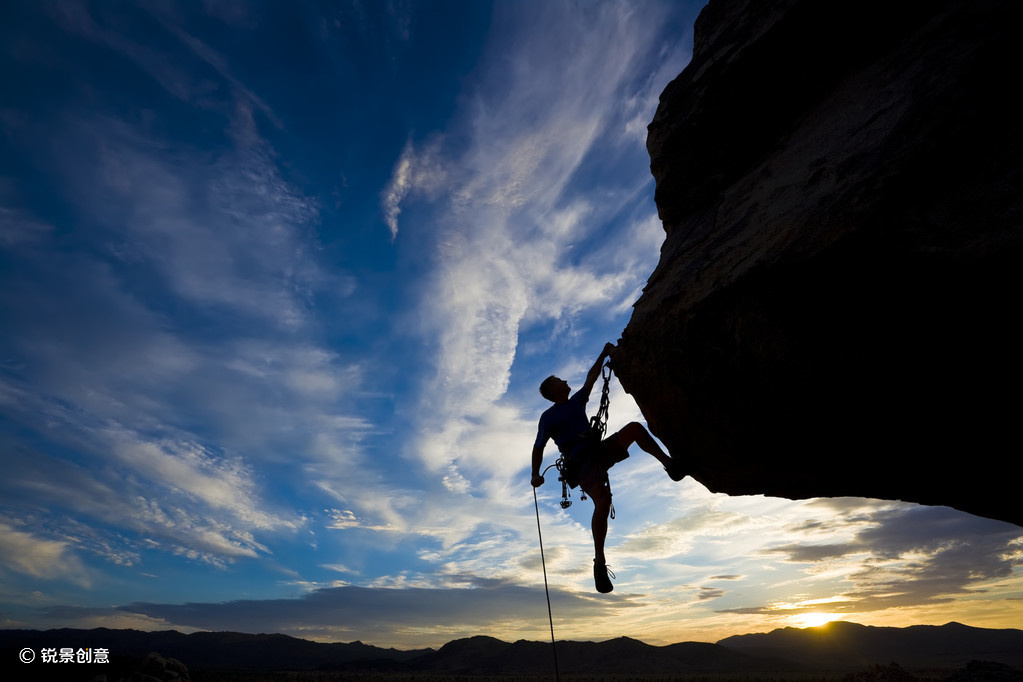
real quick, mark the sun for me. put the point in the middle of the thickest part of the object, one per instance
(812, 620)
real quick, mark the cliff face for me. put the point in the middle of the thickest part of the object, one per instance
(835, 311)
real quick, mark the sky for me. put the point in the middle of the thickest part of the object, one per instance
(279, 284)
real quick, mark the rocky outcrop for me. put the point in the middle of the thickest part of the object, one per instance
(158, 668)
(835, 308)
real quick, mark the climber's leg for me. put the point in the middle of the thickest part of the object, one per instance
(600, 492)
(634, 432)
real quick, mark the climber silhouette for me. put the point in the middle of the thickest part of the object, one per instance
(586, 460)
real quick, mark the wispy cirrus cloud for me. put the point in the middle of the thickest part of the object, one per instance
(421, 171)
(19, 227)
(39, 557)
(179, 505)
(398, 188)
(180, 78)
(181, 473)
(502, 186)
(229, 233)
(173, 354)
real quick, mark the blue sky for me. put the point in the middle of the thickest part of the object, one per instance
(279, 282)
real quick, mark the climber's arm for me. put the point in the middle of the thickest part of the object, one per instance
(537, 479)
(595, 371)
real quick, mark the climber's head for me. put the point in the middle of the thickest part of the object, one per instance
(555, 389)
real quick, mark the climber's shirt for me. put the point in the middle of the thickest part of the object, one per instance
(565, 422)
(586, 458)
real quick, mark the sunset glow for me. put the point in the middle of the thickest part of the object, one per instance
(812, 620)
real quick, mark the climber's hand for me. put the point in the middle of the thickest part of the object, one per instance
(537, 480)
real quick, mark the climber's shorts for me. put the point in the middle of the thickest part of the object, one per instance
(588, 465)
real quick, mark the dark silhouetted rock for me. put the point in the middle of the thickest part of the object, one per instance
(986, 671)
(835, 308)
(162, 669)
(892, 672)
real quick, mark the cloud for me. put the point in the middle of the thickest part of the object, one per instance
(709, 593)
(38, 557)
(181, 75)
(801, 553)
(89, 617)
(222, 484)
(170, 366)
(672, 538)
(17, 227)
(421, 170)
(103, 379)
(515, 246)
(906, 556)
(120, 514)
(228, 235)
(221, 225)
(343, 519)
(508, 218)
(398, 189)
(179, 422)
(409, 616)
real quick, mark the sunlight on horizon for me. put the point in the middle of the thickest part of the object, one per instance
(813, 620)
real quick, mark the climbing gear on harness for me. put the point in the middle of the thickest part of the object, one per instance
(598, 423)
(560, 464)
(565, 502)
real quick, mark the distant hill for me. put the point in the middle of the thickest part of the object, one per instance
(842, 645)
(621, 656)
(210, 650)
(835, 647)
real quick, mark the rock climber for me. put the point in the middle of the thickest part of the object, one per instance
(587, 460)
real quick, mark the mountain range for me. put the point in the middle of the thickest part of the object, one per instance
(837, 646)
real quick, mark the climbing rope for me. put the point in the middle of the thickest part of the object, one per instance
(598, 422)
(546, 590)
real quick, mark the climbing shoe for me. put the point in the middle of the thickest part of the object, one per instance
(675, 471)
(602, 577)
